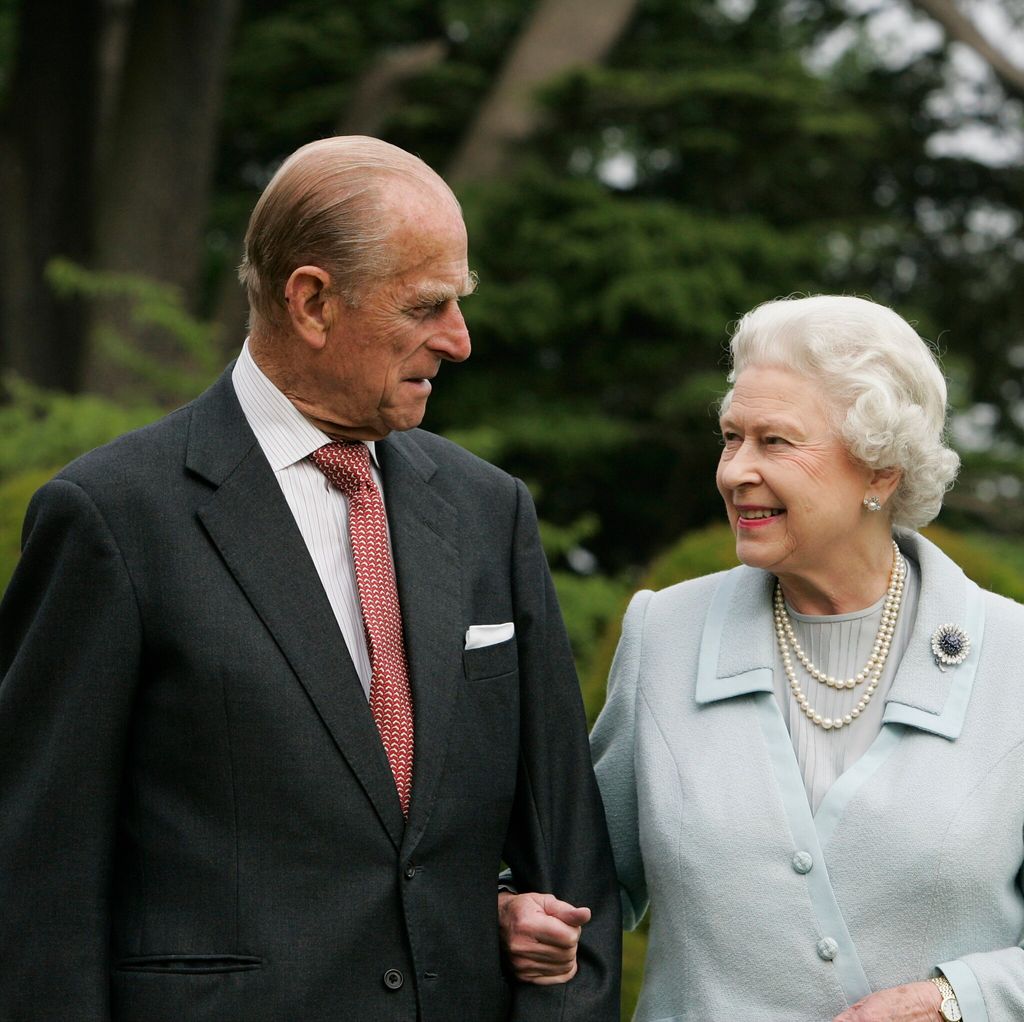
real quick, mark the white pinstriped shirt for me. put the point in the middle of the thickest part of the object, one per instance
(320, 510)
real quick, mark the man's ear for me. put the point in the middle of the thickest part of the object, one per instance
(309, 304)
(884, 481)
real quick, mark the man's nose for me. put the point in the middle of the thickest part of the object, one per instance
(451, 341)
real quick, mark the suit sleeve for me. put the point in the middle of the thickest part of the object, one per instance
(69, 650)
(557, 840)
(613, 743)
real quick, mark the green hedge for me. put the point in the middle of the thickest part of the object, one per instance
(15, 493)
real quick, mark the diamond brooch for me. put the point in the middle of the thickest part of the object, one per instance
(950, 646)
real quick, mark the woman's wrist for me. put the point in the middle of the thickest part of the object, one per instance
(949, 1009)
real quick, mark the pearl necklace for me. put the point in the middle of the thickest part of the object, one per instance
(872, 670)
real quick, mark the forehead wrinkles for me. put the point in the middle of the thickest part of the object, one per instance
(758, 414)
(763, 398)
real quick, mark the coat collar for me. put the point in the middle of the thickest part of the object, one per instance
(737, 654)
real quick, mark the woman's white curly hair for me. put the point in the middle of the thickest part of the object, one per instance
(882, 382)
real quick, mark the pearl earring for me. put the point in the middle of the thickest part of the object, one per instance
(872, 503)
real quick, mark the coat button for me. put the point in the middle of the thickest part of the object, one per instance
(827, 949)
(802, 862)
(410, 872)
(393, 979)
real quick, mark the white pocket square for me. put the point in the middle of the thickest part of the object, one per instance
(488, 635)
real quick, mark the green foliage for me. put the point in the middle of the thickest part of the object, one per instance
(151, 304)
(588, 602)
(42, 429)
(634, 948)
(995, 564)
(15, 493)
(701, 552)
(603, 309)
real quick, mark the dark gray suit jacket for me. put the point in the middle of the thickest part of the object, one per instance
(197, 817)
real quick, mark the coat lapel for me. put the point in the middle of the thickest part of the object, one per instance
(923, 695)
(736, 650)
(424, 536)
(249, 521)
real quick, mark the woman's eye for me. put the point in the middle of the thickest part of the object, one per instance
(773, 440)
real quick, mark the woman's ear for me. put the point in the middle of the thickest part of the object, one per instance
(306, 294)
(884, 482)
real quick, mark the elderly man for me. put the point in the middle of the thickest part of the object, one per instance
(284, 680)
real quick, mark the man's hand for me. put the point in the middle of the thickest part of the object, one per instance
(913, 1002)
(539, 934)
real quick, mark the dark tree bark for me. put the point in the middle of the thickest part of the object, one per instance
(157, 172)
(47, 153)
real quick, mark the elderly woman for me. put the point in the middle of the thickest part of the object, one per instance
(813, 764)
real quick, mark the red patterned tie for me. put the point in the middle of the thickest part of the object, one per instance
(347, 466)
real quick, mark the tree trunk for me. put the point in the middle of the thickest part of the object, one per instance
(156, 178)
(377, 93)
(47, 148)
(960, 28)
(559, 35)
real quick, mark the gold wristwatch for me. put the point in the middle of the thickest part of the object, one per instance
(949, 1009)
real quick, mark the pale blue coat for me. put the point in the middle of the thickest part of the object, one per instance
(765, 913)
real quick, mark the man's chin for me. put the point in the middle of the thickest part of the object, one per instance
(398, 422)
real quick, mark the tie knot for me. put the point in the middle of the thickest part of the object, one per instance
(346, 465)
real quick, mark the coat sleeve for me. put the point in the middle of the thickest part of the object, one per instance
(69, 650)
(557, 840)
(989, 986)
(613, 743)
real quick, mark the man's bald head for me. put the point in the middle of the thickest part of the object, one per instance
(333, 203)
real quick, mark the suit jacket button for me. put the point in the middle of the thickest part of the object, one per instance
(393, 979)
(410, 872)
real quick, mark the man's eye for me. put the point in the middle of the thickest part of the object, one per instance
(429, 310)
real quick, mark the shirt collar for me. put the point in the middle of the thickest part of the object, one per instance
(283, 432)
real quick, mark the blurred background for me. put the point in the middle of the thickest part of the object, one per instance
(635, 175)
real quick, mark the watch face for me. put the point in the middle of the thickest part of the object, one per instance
(950, 1010)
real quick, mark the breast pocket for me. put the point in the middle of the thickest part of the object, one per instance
(484, 750)
(494, 661)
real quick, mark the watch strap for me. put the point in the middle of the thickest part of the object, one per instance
(949, 1009)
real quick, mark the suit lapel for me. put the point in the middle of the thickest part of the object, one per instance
(251, 525)
(424, 537)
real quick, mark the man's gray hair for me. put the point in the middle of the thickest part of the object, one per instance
(883, 385)
(327, 206)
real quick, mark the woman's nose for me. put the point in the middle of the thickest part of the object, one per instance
(739, 467)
